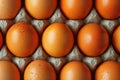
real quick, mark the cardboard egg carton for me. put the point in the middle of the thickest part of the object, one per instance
(74, 55)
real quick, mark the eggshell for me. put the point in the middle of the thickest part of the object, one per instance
(93, 39)
(75, 71)
(109, 70)
(108, 9)
(9, 8)
(116, 38)
(75, 9)
(39, 70)
(22, 39)
(8, 71)
(57, 40)
(41, 9)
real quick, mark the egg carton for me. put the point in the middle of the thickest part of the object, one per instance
(74, 55)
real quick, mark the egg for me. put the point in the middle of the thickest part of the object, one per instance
(1, 39)
(108, 9)
(41, 9)
(116, 38)
(9, 71)
(75, 9)
(39, 70)
(9, 8)
(109, 70)
(57, 40)
(93, 39)
(22, 39)
(75, 71)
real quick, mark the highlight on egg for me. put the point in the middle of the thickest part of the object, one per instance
(40, 9)
(108, 70)
(75, 71)
(57, 40)
(22, 39)
(93, 39)
(76, 9)
(39, 70)
(9, 71)
(108, 9)
(9, 8)
(116, 39)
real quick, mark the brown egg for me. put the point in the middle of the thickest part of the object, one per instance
(109, 70)
(75, 71)
(22, 39)
(1, 40)
(39, 70)
(76, 9)
(116, 38)
(93, 39)
(108, 9)
(9, 8)
(41, 9)
(57, 40)
(8, 71)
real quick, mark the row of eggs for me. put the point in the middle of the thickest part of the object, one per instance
(72, 9)
(43, 70)
(58, 40)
